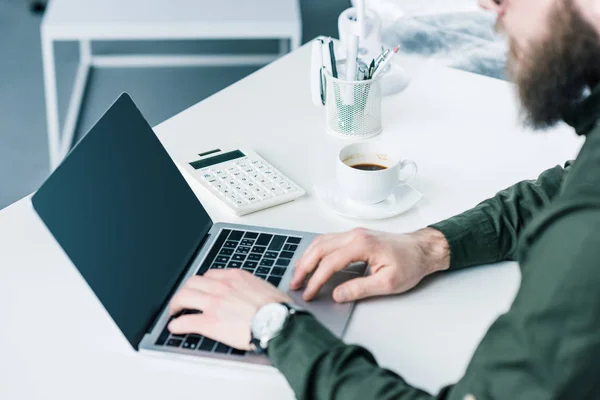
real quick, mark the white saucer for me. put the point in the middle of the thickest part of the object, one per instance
(401, 200)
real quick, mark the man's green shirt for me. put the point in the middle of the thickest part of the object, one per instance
(547, 346)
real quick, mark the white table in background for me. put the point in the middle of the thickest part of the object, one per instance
(56, 340)
(84, 21)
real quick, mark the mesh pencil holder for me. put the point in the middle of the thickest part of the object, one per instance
(352, 108)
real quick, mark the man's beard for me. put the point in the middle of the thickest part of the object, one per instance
(555, 71)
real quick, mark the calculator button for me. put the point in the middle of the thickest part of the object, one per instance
(255, 162)
(244, 179)
(265, 195)
(275, 191)
(208, 176)
(239, 203)
(253, 199)
(220, 172)
(268, 173)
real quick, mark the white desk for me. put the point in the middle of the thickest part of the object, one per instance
(56, 340)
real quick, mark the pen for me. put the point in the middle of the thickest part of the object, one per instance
(351, 57)
(381, 67)
(371, 69)
(380, 57)
(317, 72)
(333, 62)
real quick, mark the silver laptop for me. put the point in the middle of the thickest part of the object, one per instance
(131, 225)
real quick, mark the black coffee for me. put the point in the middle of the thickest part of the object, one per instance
(369, 167)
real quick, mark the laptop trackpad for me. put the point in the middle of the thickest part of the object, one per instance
(331, 314)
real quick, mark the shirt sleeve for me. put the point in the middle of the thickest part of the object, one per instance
(546, 346)
(488, 232)
(318, 365)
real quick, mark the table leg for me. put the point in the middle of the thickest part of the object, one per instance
(283, 46)
(77, 95)
(51, 100)
(295, 41)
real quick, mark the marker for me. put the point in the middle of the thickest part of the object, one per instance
(381, 67)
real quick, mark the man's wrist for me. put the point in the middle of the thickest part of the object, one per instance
(268, 322)
(435, 249)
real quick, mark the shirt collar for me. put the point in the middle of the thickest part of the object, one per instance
(584, 115)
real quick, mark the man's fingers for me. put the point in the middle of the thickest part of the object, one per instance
(213, 281)
(330, 264)
(319, 248)
(360, 288)
(190, 323)
(190, 299)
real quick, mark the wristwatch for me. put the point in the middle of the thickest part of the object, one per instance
(268, 322)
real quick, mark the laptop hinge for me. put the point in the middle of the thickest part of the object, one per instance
(172, 292)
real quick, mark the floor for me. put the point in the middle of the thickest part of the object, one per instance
(160, 93)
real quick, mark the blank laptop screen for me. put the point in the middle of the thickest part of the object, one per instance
(125, 216)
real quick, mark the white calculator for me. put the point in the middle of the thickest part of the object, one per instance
(242, 180)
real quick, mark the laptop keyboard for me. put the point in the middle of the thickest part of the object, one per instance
(262, 254)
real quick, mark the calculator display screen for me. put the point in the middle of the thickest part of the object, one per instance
(207, 162)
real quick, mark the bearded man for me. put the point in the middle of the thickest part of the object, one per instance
(547, 346)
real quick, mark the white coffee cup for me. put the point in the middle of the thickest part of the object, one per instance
(372, 186)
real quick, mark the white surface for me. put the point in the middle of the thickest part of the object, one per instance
(57, 341)
(84, 21)
(402, 199)
(181, 19)
(244, 185)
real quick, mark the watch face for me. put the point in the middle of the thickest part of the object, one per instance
(269, 320)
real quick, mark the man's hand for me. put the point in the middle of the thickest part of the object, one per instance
(397, 262)
(228, 300)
